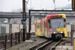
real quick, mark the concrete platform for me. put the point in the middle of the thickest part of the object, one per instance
(68, 44)
(64, 48)
(28, 44)
(67, 39)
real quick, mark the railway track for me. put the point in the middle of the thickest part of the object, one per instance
(50, 45)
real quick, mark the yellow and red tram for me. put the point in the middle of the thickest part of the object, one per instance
(52, 26)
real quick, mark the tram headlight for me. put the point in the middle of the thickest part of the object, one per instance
(54, 32)
(61, 32)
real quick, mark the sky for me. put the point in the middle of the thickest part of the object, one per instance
(16, 5)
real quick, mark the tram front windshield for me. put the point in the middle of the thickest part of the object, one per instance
(56, 23)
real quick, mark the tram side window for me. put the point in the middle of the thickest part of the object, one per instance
(49, 23)
(41, 26)
(45, 24)
(35, 27)
(38, 25)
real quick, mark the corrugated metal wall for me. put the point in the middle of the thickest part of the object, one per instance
(15, 28)
(18, 27)
(21, 26)
(3, 29)
(32, 28)
(7, 28)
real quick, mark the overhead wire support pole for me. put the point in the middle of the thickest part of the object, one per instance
(24, 20)
(54, 4)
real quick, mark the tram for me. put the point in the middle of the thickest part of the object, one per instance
(52, 26)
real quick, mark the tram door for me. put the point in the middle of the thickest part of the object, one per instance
(42, 29)
(45, 24)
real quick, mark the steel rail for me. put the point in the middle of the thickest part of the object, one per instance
(54, 45)
(49, 43)
(44, 45)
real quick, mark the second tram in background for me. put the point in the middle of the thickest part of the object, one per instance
(52, 26)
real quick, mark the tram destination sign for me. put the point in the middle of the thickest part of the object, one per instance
(56, 16)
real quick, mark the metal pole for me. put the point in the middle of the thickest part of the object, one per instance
(15, 38)
(72, 37)
(19, 37)
(10, 28)
(29, 20)
(24, 19)
(11, 40)
(54, 4)
(5, 41)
